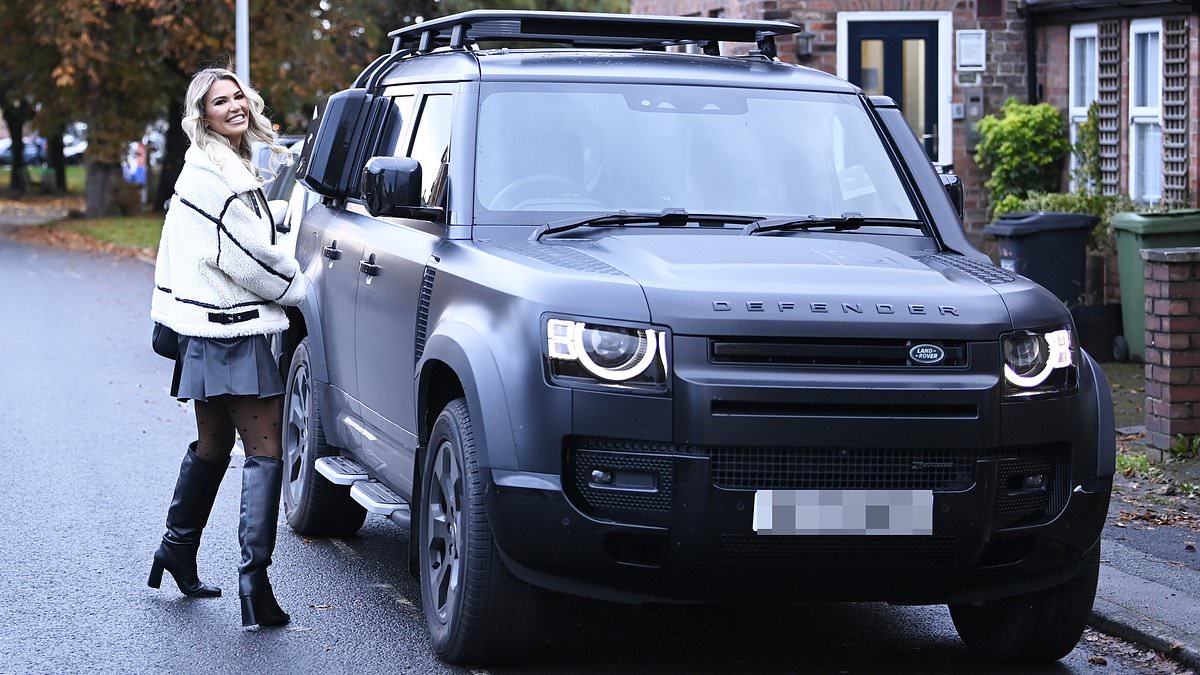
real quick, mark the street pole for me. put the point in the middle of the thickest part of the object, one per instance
(243, 40)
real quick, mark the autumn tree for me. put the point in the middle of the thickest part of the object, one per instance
(107, 69)
(121, 64)
(23, 67)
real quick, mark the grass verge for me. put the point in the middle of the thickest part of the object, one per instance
(76, 175)
(132, 235)
(1128, 382)
(131, 231)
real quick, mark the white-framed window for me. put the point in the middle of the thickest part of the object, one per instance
(1145, 110)
(1084, 80)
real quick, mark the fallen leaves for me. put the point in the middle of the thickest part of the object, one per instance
(63, 237)
(1128, 657)
(1149, 518)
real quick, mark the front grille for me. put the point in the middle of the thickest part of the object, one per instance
(754, 551)
(862, 410)
(749, 468)
(790, 468)
(840, 352)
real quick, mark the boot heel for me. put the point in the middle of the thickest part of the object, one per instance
(248, 618)
(262, 611)
(156, 571)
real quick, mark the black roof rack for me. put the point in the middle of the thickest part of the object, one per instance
(583, 29)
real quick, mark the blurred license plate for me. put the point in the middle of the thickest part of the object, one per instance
(849, 512)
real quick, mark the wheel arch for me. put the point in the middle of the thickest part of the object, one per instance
(457, 363)
(458, 360)
(304, 322)
(1101, 412)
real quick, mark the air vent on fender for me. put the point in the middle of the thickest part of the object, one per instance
(422, 326)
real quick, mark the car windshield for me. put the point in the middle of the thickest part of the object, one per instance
(546, 151)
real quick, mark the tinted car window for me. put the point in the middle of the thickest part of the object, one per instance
(431, 144)
(392, 135)
(599, 147)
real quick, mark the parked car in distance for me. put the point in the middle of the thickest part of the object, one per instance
(299, 198)
(272, 165)
(32, 151)
(607, 313)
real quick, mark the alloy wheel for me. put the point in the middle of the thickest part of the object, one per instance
(444, 533)
(295, 441)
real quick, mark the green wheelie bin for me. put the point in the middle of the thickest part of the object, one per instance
(1136, 231)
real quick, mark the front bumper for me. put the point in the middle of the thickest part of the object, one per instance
(699, 545)
(675, 522)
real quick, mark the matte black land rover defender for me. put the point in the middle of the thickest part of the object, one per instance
(615, 315)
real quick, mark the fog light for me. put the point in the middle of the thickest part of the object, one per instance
(601, 477)
(1035, 481)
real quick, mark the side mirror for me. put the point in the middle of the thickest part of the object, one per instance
(391, 186)
(332, 143)
(278, 209)
(954, 189)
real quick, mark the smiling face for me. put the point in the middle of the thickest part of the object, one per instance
(227, 111)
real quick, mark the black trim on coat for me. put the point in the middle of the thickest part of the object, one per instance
(201, 211)
(206, 305)
(221, 227)
(265, 266)
(227, 203)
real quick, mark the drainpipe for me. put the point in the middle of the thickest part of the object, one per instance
(1031, 77)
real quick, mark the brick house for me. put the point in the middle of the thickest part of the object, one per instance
(949, 62)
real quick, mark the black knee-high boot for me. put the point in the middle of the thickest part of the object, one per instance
(262, 478)
(188, 514)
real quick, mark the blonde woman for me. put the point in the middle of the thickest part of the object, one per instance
(220, 283)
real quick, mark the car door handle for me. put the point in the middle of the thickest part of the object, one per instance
(331, 251)
(368, 266)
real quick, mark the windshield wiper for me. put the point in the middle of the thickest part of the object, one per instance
(851, 220)
(664, 218)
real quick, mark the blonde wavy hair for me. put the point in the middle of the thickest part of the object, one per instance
(210, 141)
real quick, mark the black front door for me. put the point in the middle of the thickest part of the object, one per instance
(899, 59)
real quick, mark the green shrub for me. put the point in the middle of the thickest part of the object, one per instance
(1135, 465)
(1087, 201)
(1185, 447)
(1022, 149)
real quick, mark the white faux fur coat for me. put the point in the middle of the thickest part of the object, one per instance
(219, 272)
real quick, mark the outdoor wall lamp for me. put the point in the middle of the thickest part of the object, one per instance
(804, 45)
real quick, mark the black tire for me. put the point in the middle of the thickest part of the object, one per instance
(477, 611)
(1035, 627)
(313, 505)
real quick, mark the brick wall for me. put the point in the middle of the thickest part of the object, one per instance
(1172, 344)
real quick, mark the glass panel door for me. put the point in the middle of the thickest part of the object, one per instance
(899, 59)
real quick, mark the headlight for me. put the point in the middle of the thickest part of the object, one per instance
(604, 354)
(1038, 362)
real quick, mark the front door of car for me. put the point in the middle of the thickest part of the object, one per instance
(389, 292)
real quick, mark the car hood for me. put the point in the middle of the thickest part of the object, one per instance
(814, 286)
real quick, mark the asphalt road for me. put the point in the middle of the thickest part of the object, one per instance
(89, 447)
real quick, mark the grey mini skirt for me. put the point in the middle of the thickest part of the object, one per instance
(241, 366)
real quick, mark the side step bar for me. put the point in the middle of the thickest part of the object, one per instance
(374, 496)
(341, 470)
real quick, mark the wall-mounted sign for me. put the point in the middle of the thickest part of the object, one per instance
(970, 50)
